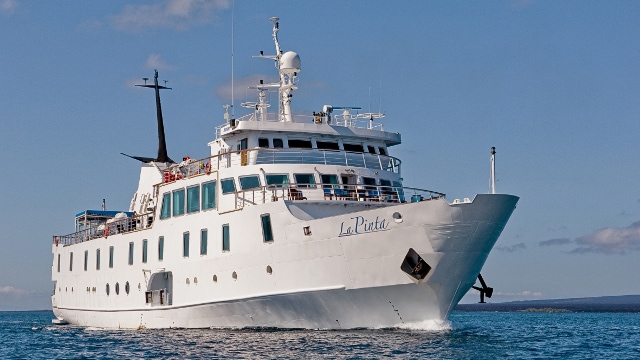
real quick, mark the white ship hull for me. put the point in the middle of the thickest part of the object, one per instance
(324, 280)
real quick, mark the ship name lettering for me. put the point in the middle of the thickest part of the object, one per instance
(360, 225)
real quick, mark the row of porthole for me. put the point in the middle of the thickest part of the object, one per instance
(234, 275)
(127, 288)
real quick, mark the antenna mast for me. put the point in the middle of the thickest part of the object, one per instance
(162, 144)
(232, 73)
(492, 176)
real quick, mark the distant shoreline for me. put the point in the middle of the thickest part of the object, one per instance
(615, 304)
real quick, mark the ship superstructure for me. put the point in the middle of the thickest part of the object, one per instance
(293, 221)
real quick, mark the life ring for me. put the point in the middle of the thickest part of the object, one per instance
(105, 232)
(55, 239)
(207, 168)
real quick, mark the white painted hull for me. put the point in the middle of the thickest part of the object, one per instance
(325, 280)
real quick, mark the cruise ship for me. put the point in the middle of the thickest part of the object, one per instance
(291, 221)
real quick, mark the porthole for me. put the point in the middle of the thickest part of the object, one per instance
(269, 270)
(188, 282)
(195, 280)
(66, 289)
(107, 289)
(126, 288)
(215, 278)
(72, 289)
(397, 217)
(117, 288)
(307, 230)
(234, 276)
(138, 286)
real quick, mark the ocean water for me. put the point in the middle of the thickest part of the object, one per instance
(467, 335)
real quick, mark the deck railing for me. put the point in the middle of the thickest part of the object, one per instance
(115, 226)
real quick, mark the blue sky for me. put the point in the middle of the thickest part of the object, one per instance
(553, 85)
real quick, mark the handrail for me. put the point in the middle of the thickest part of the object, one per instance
(259, 156)
(119, 226)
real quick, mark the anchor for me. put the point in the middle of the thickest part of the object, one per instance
(484, 290)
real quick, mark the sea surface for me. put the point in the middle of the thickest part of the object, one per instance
(467, 335)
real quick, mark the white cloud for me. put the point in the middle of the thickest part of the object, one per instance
(10, 290)
(7, 7)
(610, 241)
(553, 242)
(512, 248)
(175, 14)
(155, 61)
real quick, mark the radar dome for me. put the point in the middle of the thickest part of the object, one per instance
(290, 62)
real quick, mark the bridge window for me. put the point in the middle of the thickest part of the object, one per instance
(203, 242)
(305, 180)
(372, 149)
(327, 145)
(371, 182)
(193, 199)
(178, 202)
(166, 206)
(382, 151)
(228, 186)
(353, 147)
(262, 142)
(185, 244)
(303, 144)
(267, 233)
(329, 180)
(225, 238)
(279, 180)
(278, 143)
(249, 182)
(209, 195)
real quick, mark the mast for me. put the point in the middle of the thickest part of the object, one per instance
(492, 176)
(162, 144)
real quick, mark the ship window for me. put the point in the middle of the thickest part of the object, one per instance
(303, 144)
(185, 244)
(384, 182)
(277, 143)
(228, 186)
(328, 145)
(305, 180)
(353, 147)
(262, 142)
(225, 237)
(279, 180)
(131, 253)
(110, 256)
(127, 287)
(86, 259)
(372, 149)
(329, 181)
(382, 151)
(107, 289)
(371, 182)
(203, 242)
(249, 182)
(193, 199)
(97, 259)
(178, 202)
(209, 195)
(58, 262)
(117, 288)
(166, 206)
(71, 261)
(161, 248)
(267, 233)
(144, 250)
